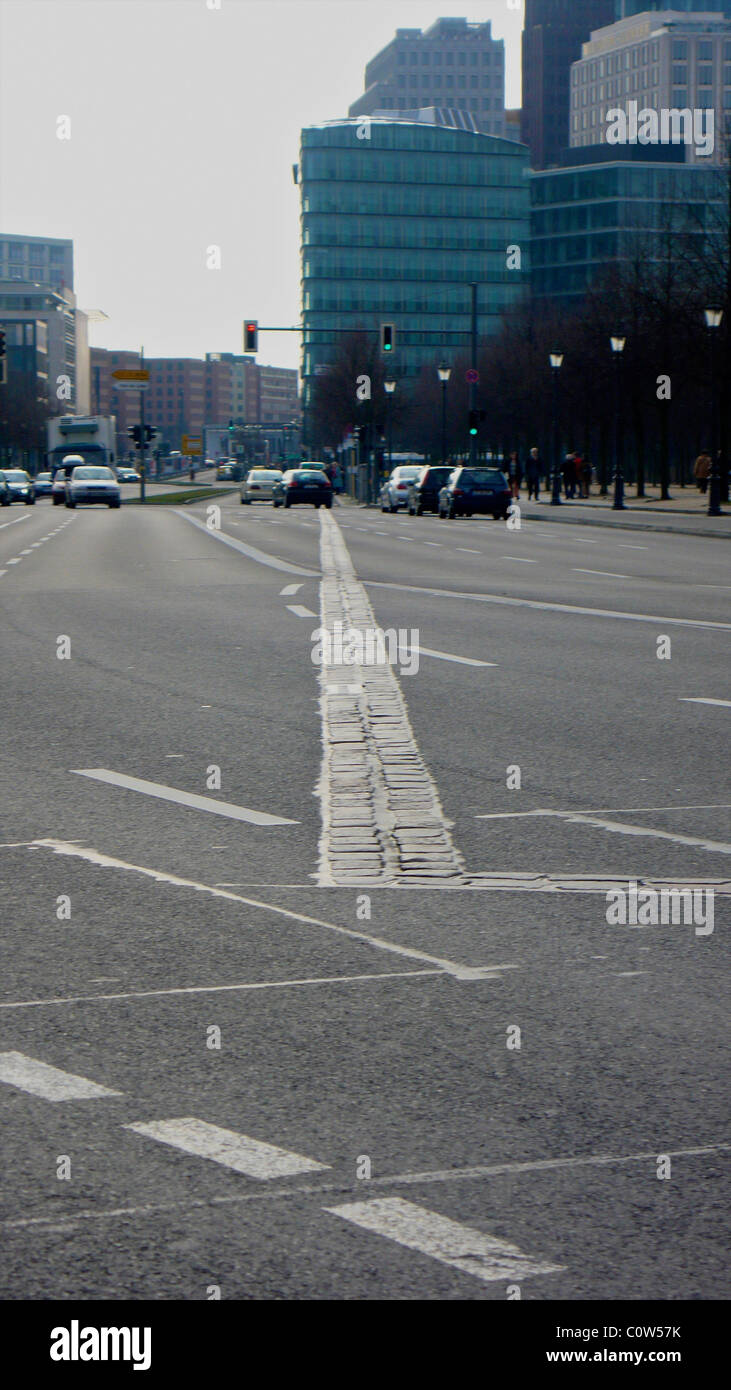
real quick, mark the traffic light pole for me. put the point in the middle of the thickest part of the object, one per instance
(142, 433)
(473, 363)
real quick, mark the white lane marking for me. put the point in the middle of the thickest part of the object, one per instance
(181, 798)
(218, 989)
(249, 550)
(174, 755)
(607, 810)
(603, 574)
(461, 1247)
(438, 544)
(290, 589)
(447, 656)
(39, 1079)
(300, 611)
(225, 1146)
(628, 974)
(2, 572)
(623, 828)
(106, 861)
(502, 601)
(16, 561)
(14, 522)
(579, 540)
(278, 1194)
(466, 551)
(25, 552)
(622, 546)
(519, 559)
(701, 700)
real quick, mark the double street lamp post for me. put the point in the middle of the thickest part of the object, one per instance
(713, 323)
(556, 360)
(618, 345)
(444, 374)
(389, 387)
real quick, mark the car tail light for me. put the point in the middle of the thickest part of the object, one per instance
(401, 487)
(292, 483)
(327, 482)
(457, 492)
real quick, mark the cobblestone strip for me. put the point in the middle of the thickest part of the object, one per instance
(382, 822)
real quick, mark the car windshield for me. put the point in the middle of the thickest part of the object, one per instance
(482, 477)
(405, 475)
(42, 477)
(16, 475)
(92, 473)
(264, 477)
(436, 475)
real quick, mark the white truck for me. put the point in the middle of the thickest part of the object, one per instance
(94, 437)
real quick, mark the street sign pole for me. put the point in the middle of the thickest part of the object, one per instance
(473, 388)
(142, 432)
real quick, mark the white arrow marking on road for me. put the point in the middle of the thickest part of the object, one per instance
(39, 1079)
(199, 803)
(231, 1150)
(447, 656)
(300, 611)
(700, 700)
(290, 589)
(462, 1247)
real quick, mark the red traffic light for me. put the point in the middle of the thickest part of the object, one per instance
(251, 334)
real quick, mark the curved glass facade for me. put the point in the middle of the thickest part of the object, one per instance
(397, 226)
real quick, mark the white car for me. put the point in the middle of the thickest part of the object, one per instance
(395, 490)
(91, 482)
(258, 485)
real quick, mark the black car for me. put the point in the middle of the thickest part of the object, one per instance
(424, 490)
(5, 498)
(42, 484)
(20, 485)
(303, 485)
(475, 490)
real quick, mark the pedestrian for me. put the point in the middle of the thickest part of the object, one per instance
(533, 471)
(702, 470)
(586, 475)
(569, 475)
(514, 474)
(578, 475)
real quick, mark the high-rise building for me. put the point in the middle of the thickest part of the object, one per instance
(66, 339)
(454, 65)
(46, 261)
(553, 33)
(658, 61)
(397, 227)
(625, 8)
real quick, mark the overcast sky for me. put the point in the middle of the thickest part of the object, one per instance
(185, 123)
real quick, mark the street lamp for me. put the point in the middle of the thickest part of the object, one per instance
(556, 360)
(617, 350)
(713, 319)
(389, 387)
(444, 372)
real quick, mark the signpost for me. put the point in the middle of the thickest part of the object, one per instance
(192, 444)
(131, 379)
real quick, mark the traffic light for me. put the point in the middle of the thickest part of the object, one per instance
(476, 417)
(388, 337)
(251, 335)
(2, 342)
(3, 362)
(135, 433)
(149, 433)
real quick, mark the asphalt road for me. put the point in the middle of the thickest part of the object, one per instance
(354, 1116)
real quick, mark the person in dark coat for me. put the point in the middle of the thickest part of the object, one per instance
(533, 471)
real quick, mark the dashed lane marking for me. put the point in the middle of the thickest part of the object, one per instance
(603, 574)
(40, 1079)
(447, 656)
(300, 611)
(290, 589)
(623, 828)
(519, 559)
(181, 798)
(237, 1151)
(464, 550)
(474, 1252)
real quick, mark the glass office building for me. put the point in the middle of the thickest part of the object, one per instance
(398, 225)
(586, 219)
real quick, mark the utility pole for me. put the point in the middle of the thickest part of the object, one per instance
(142, 429)
(473, 364)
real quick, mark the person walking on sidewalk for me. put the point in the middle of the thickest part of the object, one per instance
(533, 470)
(702, 471)
(514, 474)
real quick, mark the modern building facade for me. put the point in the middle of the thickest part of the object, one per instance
(453, 65)
(626, 8)
(553, 33)
(396, 228)
(66, 339)
(46, 261)
(659, 61)
(606, 212)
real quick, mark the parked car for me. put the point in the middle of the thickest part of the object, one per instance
(91, 482)
(20, 485)
(423, 494)
(258, 486)
(61, 475)
(303, 485)
(471, 490)
(4, 492)
(395, 491)
(42, 484)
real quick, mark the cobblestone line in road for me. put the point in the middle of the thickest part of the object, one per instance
(382, 821)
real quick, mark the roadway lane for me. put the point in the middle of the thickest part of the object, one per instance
(358, 1032)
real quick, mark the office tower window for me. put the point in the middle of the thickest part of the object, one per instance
(704, 73)
(704, 51)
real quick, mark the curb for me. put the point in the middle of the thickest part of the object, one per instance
(600, 521)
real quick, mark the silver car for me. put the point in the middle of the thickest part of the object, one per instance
(395, 490)
(258, 485)
(90, 482)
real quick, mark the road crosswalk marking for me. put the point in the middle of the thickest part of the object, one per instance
(231, 1150)
(40, 1079)
(474, 1252)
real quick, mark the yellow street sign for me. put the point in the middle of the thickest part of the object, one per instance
(131, 374)
(192, 444)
